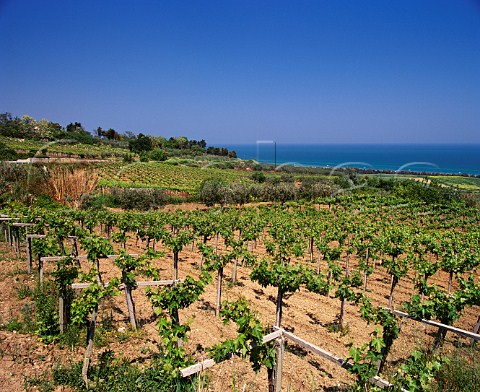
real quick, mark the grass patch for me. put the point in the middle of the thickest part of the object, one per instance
(112, 374)
(461, 372)
(24, 291)
(17, 271)
(14, 325)
(40, 383)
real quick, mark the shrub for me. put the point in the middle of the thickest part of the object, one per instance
(128, 158)
(313, 188)
(21, 183)
(158, 155)
(140, 144)
(140, 199)
(239, 193)
(214, 190)
(7, 154)
(45, 201)
(287, 178)
(258, 176)
(280, 192)
(100, 201)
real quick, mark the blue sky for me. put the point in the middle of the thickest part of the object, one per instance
(233, 71)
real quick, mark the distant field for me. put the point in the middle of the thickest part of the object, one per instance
(164, 175)
(467, 183)
(470, 183)
(71, 149)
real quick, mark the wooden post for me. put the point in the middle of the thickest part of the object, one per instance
(16, 233)
(61, 310)
(392, 288)
(175, 265)
(17, 240)
(9, 234)
(219, 291)
(40, 271)
(365, 272)
(439, 338)
(130, 306)
(29, 254)
(311, 249)
(88, 353)
(476, 329)
(278, 312)
(29, 238)
(279, 350)
(343, 304)
(235, 265)
(319, 261)
(73, 240)
(91, 331)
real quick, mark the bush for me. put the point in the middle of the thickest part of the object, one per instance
(287, 178)
(140, 199)
(258, 176)
(280, 192)
(158, 155)
(100, 201)
(140, 144)
(7, 154)
(128, 158)
(21, 183)
(313, 188)
(46, 201)
(83, 137)
(214, 190)
(239, 193)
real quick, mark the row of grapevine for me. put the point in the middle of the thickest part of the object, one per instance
(330, 249)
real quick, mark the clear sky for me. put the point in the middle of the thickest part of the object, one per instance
(233, 71)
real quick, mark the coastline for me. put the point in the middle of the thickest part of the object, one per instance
(419, 159)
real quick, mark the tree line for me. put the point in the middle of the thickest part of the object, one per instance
(26, 127)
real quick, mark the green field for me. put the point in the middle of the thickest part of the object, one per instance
(460, 182)
(37, 147)
(164, 175)
(468, 183)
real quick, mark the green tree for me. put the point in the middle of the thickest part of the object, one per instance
(140, 144)
(214, 190)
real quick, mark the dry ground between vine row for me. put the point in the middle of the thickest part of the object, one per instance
(306, 314)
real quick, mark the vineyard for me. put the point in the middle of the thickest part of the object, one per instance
(163, 175)
(363, 291)
(460, 182)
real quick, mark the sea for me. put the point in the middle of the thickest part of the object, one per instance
(431, 158)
